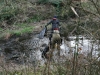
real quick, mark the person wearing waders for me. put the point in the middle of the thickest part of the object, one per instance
(55, 26)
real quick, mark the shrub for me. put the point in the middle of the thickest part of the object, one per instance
(8, 12)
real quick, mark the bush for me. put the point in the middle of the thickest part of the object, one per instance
(43, 1)
(8, 12)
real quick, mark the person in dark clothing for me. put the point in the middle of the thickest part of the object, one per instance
(54, 36)
(55, 25)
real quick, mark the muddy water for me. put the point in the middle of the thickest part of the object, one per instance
(29, 50)
(13, 49)
(23, 49)
(83, 46)
(36, 47)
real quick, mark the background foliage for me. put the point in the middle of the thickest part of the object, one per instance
(17, 15)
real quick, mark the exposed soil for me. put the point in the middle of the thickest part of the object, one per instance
(13, 48)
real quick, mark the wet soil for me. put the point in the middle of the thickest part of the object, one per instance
(15, 48)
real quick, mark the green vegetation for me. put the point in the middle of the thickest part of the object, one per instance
(19, 17)
(1, 29)
(50, 1)
(69, 67)
(18, 29)
(22, 31)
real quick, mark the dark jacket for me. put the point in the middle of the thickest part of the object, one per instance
(55, 24)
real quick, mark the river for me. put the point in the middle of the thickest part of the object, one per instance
(30, 50)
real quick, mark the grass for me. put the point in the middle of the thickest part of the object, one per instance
(1, 29)
(35, 18)
(69, 67)
(20, 29)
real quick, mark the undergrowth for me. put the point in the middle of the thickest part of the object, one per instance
(18, 29)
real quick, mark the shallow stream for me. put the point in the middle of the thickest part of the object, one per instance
(30, 50)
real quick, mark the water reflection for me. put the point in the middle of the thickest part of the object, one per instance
(82, 46)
